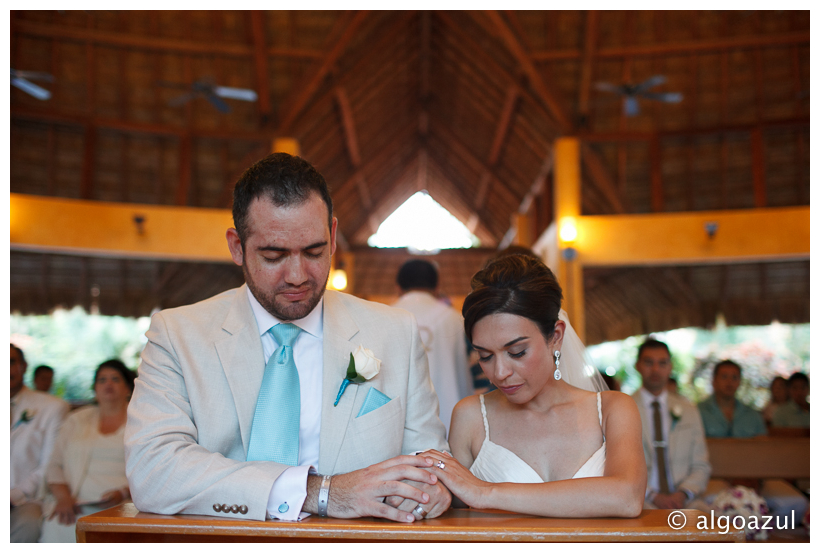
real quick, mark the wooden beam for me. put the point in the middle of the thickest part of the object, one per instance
(537, 83)
(655, 175)
(758, 167)
(590, 36)
(503, 127)
(148, 42)
(89, 147)
(305, 93)
(349, 127)
(640, 136)
(682, 47)
(184, 185)
(421, 177)
(742, 236)
(260, 58)
(74, 227)
(134, 126)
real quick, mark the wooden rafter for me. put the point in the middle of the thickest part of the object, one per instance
(517, 49)
(89, 148)
(349, 127)
(683, 47)
(303, 94)
(592, 162)
(145, 42)
(260, 58)
(590, 36)
(503, 127)
(123, 125)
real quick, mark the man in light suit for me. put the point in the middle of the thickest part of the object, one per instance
(194, 411)
(677, 460)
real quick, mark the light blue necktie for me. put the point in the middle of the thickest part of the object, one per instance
(275, 429)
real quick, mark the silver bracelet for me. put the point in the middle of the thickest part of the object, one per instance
(324, 495)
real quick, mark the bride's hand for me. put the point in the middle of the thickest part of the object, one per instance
(459, 480)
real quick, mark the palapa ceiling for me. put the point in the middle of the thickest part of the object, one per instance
(465, 105)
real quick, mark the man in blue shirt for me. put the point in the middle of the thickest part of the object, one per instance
(722, 414)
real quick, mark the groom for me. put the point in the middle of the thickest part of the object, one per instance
(208, 429)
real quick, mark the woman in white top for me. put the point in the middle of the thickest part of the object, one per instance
(86, 473)
(544, 443)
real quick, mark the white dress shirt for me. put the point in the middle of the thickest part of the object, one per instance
(653, 481)
(35, 422)
(289, 491)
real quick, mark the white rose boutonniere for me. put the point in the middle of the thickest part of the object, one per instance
(25, 417)
(677, 412)
(363, 366)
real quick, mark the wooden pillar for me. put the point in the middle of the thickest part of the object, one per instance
(567, 192)
(287, 145)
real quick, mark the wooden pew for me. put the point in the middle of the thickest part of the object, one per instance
(758, 458)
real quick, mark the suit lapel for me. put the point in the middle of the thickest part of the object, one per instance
(337, 331)
(240, 353)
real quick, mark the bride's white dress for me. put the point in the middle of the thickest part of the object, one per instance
(495, 463)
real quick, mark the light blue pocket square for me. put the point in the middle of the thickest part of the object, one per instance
(373, 401)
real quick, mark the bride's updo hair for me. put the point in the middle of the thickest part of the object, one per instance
(517, 284)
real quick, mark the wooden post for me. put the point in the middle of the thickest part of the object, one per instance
(567, 190)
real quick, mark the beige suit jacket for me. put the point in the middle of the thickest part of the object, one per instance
(686, 452)
(190, 417)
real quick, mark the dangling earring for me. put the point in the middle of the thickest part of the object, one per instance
(557, 374)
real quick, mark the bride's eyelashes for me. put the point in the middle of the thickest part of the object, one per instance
(518, 355)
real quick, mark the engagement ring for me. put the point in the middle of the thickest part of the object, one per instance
(440, 465)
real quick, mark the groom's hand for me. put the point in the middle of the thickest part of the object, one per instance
(440, 499)
(361, 493)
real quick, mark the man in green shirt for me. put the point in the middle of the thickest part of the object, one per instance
(722, 414)
(795, 412)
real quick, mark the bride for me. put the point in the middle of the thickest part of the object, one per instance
(549, 441)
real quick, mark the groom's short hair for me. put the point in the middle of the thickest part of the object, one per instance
(652, 343)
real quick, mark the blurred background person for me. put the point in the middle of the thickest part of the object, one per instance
(442, 332)
(87, 469)
(43, 377)
(795, 412)
(722, 414)
(672, 385)
(35, 421)
(779, 389)
(674, 443)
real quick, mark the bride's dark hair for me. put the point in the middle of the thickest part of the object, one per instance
(517, 284)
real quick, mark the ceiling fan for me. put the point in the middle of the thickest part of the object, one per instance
(20, 79)
(631, 92)
(210, 92)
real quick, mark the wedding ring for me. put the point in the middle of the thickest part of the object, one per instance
(440, 464)
(419, 511)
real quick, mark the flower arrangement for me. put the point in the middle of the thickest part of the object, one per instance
(744, 502)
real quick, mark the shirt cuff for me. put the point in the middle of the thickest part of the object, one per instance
(288, 494)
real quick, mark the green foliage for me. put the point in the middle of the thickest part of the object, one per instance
(763, 352)
(74, 343)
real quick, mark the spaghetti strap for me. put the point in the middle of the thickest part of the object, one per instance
(600, 415)
(484, 416)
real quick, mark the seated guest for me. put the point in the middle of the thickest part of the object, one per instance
(722, 414)
(674, 443)
(672, 385)
(43, 377)
(86, 473)
(548, 441)
(35, 421)
(779, 389)
(795, 412)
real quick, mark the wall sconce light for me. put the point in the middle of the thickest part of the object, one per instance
(711, 229)
(139, 221)
(338, 279)
(567, 233)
